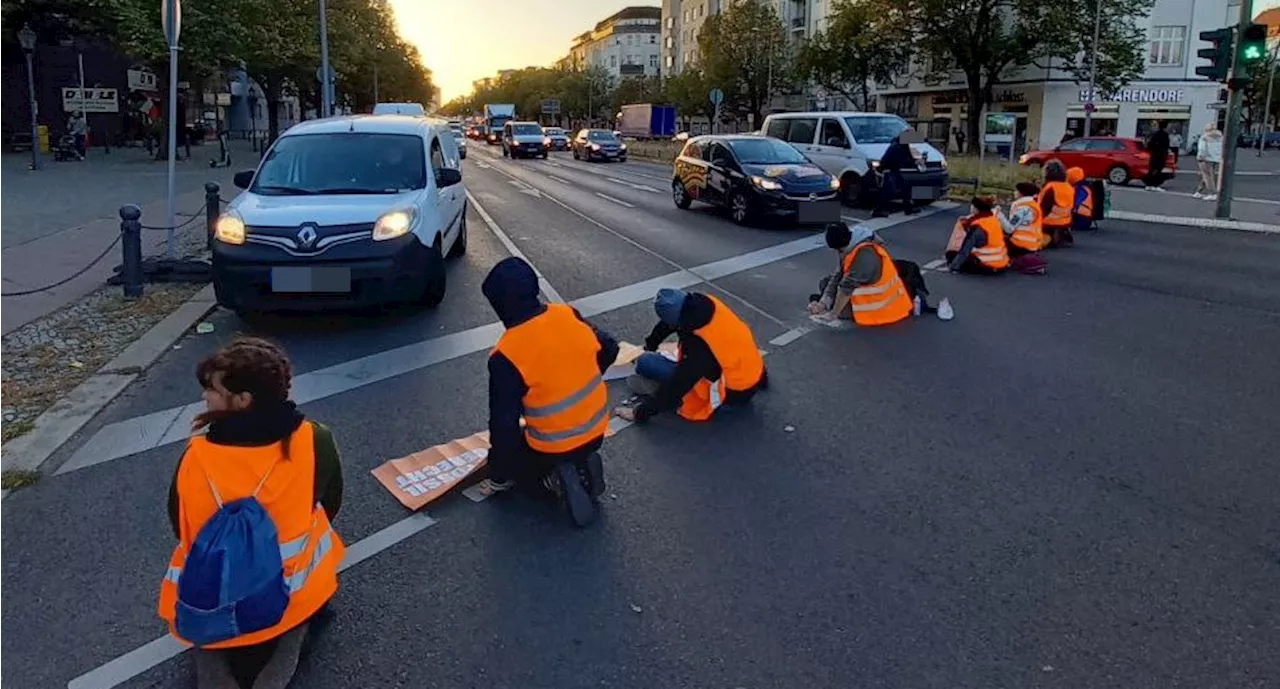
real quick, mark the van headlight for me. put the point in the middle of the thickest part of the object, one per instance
(875, 165)
(835, 183)
(229, 229)
(394, 224)
(766, 183)
(622, 147)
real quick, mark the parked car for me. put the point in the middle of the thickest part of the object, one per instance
(557, 139)
(1115, 159)
(523, 140)
(346, 211)
(1269, 140)
(751, 176)
(598, 144)
(461, 138)
(849, 145)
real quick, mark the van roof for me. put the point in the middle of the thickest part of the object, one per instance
(369, 124)
(836, 113)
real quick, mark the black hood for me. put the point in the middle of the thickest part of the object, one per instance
(512, 289)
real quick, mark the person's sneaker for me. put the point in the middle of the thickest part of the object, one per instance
(945, 312)
(582, 509)
(911, 211)
(879, 214)
(1211, 197)
(1197, 195)
(492, 487)
(1159, 189)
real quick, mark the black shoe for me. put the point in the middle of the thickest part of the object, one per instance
(581, 508)
(879, 214)
(912, 210)
(595, 476)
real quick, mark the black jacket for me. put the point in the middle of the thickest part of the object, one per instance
(512, 290)
(697, 361)
(897, 157)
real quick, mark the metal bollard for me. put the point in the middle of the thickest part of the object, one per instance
(131, 245)
(212, 206)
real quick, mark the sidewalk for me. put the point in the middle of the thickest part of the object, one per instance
(1183, 204)
(58, 219)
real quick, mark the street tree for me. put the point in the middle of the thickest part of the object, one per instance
(690, 92)
(859, 45)
(986, 39)
(745, 53)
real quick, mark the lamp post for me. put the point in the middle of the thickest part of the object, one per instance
(1093, 68)
(326, 77)
(27, 38)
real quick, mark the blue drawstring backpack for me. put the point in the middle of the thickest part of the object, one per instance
(233, 580)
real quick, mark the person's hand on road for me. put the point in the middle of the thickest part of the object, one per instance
(816, 308)
(625, 413)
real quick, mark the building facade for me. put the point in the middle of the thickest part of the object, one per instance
(625, 44)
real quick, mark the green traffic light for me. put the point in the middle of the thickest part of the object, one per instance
(1253, 52)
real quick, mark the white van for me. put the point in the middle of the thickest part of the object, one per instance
(411, 109)
(847, 145)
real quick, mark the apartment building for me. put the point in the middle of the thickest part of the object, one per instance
(682, 22)
(625, 44)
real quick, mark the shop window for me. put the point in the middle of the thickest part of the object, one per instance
(1167, 45)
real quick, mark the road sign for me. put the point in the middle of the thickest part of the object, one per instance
(717, 97)
(94, 100)
(171, 20)
(1090, 107)
(551, 106)
(333, 76)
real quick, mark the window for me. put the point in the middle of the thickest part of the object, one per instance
(671, 22)
(1167, 45)
(763, 151)
(1105, 145)
(777, 129)
(700, 10)
(1074, 145)
(613, 61)
(653, 39)
(631, 39)
(717, 152)
(802, 130)
(833, 134)
(653, 60)
(671, 41)
(365, 164)
(875, 129)
(671, 61)
(437, 157)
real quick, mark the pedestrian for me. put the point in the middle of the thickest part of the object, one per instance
(717, 361)
(1056, 200)
(1208, 160)
(983, 250)
(1175, 140)
(959, 134)
(893, 185)
(1024, 231)
(546, 369)
(251, 504)
(79, 130)
(1158, 152)
(866, 281)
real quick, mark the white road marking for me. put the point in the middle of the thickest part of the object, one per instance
(935, 264)
(790, 336)
(633, 185)
(557, 179)
(620, 202)
(547, 290)
(1244, 199)
(143, 658)
(483, 166)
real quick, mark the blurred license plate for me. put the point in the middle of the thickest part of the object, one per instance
(818, 211)
(923, 193)
(327, 279)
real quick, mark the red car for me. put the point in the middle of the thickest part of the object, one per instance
(1112, 158)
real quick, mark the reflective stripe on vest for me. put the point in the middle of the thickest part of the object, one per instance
(288, 550)
(1063, 199)
(581, 429)
(865, 301)
(1025, 215)
(730, 340)
(994, 255)
(895, 285)
(564, 404)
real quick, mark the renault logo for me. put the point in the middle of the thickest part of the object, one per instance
(307, 236)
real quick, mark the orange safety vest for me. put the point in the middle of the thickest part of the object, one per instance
(881, 303)
(741, 365)
(995, 254)
(566, 403)
(1064, 196)
(309, 547)
(1028, 231)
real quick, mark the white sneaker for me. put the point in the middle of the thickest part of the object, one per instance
(1198, 195)
(1211, 197)
(1159, 189)
(945, 312)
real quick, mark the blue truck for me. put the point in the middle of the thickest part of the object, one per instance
(647, 121)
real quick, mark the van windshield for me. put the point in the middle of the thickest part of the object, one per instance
(345, 163)
(875, 129)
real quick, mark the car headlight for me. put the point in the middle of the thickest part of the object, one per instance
(623, 147)
(944, 163)
(546, 141)
(595, 147)
(766, 183)
(394, 224)
(229, 229)
(875, 165)
(835, 183)
(1022, 160)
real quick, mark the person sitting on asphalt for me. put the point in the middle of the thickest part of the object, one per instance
(1024, 232)
(547, 370)
(867, 281)
(1082, 203)
(897, 157)
(1057, 199)
(983, 250)
(717, 363)
(251, 504)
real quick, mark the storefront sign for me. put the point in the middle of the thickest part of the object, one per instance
(962, 97)
(1128, 95)
(141, 80)
(94, 100)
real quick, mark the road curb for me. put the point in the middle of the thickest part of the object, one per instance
(1207, 223)
(53, 428)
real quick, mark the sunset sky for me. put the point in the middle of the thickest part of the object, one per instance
(464, 41)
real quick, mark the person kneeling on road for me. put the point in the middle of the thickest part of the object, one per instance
(868, 281)
(717, 363)
(547, 369)
(251, 504)
(983, 250)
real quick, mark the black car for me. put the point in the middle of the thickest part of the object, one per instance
(752, 176)
(598, 144)
(557, 139)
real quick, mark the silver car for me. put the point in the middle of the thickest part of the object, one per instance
(461, 136)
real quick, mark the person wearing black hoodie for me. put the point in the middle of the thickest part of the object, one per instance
(893, 185)
(663, 385)
(512, 289)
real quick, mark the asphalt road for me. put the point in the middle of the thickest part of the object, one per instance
(1072, 484)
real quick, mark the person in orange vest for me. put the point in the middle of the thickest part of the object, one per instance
(1024, 231)
(1057, 200)
(1082, 204)
(869, 283)
(548, 406)
(983, 250)
(259, 454)
(718, 362)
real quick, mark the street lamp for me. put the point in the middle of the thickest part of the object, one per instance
(1089, 105)
(27, 38)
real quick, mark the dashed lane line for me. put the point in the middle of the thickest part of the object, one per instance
(633, 185)
(620, 202)
(558, 179)
(547, 290)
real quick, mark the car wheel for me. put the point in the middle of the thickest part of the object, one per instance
(460, 244)
(851, 189)
(739, 208)
(433, 293)
(680, 195)
(1118, 175)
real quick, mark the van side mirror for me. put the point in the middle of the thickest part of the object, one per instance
(447, 177)
(243, 179)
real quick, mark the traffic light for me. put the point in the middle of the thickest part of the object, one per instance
(1253, 46)
(1219, 56)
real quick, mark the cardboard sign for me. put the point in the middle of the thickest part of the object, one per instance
(423, 476)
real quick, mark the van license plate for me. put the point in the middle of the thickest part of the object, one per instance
(923, 193)
(327, 279)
